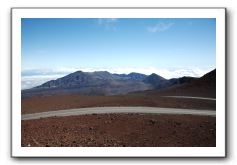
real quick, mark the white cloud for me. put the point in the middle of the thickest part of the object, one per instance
(166, 73)
(33, 81)
(160, 27)
(107, 20)
(108, 23)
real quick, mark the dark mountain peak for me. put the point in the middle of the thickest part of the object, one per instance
(181, 80)
(77, 78)
(209, 78)
(101, 72)
(101, 75)
(156, 81)
(77, 73)
(135, 73)
(210, 75)
(121, 75)
(156, 77)
(186, 79)
(137, 76)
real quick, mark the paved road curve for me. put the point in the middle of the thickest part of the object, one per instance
(102, 110)
(190, 97)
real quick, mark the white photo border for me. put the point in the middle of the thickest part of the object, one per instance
(218, 13)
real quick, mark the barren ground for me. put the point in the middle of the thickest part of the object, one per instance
(60, 102)
(121, 130)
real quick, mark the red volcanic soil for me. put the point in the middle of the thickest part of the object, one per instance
(121, 130)
(60, 102)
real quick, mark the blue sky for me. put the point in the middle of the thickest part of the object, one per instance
(59, 46)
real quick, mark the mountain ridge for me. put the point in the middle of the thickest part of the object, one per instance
(104, 83)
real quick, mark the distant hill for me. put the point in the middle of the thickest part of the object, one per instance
(159, 82)
(156, 80)
(137, 76)
(105, 83)
(92, 83)
(209, 79)
(204, 86)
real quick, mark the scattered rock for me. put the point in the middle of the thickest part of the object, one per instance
(213, 131)
(126, 130)
(178, 123)
(152, 121)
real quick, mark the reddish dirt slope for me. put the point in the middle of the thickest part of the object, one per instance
(121, 130)
(202, 87)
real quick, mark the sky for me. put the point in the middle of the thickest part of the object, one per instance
(54, 47)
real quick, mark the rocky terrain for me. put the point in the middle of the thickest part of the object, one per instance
(120, 130)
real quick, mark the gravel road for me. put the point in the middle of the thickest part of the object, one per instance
(190, 97)
(102, 110)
